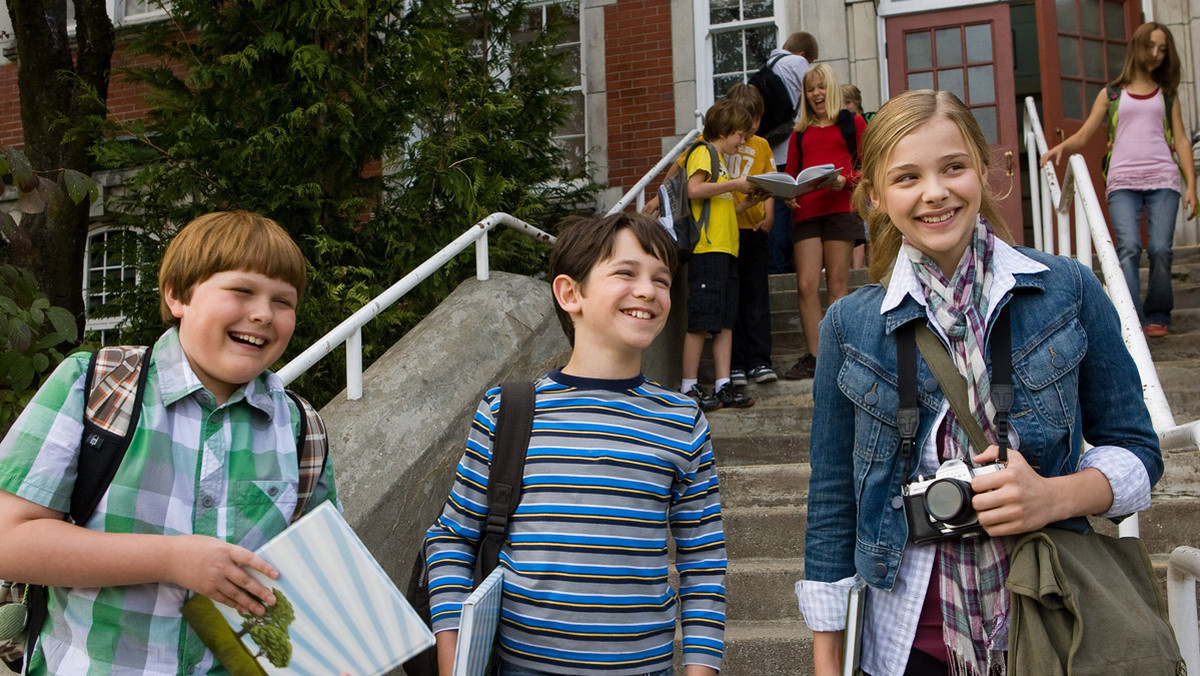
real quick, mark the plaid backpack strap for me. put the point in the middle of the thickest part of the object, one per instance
(312, 451)
(114, 386)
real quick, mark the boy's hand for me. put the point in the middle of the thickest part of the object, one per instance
(652, 208)
(742, 185)
(214, 569)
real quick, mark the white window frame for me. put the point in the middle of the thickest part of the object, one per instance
(100, 324)
(899, 7)
(705, 96)
(583, 72)
(116, 13)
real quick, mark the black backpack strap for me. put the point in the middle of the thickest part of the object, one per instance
(312, 451)
(507, 472)
(1002, 385)
(908, 415)
(799, 150)
(850, 135)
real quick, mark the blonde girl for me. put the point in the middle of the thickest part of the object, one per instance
(825, 229)
(1141, 174)
(945, 254)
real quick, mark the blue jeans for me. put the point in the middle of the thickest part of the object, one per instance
(507, 669)
(1126, 208)
(779, 241)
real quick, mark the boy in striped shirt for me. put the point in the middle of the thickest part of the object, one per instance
(616, 465)
(211, 472)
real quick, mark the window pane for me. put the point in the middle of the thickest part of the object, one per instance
(1089, 17)
(727, 53)
(566, 16)
(758, 9)
(575, 122)
(1068, 55)
(982, 80)
(952, 81)
(1116, 60)
(571, 67)
(1093, 59)
(1065, 10)
(760, 42)
(920, 80)
(919, 51)
(1114, 20)
(979, 43)
(987, 122)
(1092, 90)
(949, 47)
(1072, 99)
(722, 11)
(723, 82)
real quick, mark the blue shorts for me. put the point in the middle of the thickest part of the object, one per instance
(712, 292)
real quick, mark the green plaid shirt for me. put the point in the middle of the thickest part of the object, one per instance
(192, 467)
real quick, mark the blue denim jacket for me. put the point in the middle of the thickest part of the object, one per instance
(1073, 379)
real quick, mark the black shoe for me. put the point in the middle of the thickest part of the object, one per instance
(704, 400)
(762, 374)
(738, 378)
(803, 369)
(729, 397)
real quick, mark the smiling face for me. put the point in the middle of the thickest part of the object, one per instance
(617, 310)
(235, 325)
(931, 189)
(728, 145)
(814, 94)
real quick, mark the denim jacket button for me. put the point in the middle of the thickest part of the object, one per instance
(897, 502)
(1057, 361)
(930, 384)
(870, 398)
(881, 569)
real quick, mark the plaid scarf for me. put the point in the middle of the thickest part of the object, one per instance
(972, 570)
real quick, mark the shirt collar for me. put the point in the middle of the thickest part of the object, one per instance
(177, 380)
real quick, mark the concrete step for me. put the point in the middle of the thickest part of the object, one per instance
(760, 420)
(758, 648)
(1169, 523)
(761, 450)
(758, 532)
(766, 485)
(762, 589)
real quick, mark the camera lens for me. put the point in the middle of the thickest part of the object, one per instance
(948, 500)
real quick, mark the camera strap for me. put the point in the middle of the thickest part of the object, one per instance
(916, 334)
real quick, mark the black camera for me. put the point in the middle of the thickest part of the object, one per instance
(940, 508)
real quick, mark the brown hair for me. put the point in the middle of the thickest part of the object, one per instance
(223, 241)
(899, 117)
(724, 118)
(585, 241)
(802, 43)
(746, 96)
(1166, 76)
(851, 93)
(833, 96)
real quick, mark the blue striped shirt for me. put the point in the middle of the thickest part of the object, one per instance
(613, 468)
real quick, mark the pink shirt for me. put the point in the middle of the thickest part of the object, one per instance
(1141, 158)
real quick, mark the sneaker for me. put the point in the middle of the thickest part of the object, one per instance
(729, 397)
(1157, 330)
(704, 400)
(738, 378)
(804, 368)
(763, 374)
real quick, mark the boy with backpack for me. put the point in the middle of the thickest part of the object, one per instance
(615, 465)
(216, 463)
(712, 304)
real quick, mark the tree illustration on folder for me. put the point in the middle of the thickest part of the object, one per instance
(269, 631)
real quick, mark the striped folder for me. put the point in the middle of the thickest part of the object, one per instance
(338, 611)
(477, 627)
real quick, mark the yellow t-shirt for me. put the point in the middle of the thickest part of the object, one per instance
(752, 158)
(721, 235)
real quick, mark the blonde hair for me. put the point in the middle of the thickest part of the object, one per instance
(899, 117)
(833, 96)
(223, 241)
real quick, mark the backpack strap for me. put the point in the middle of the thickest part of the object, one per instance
(845, 122)
(514, 426)
(312, 452)
(713, 176)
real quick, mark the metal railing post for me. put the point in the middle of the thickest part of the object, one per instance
(481, 258)
(1035, 185)
(354, 365)
(1183, 567)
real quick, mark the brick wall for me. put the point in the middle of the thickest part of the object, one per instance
(641, 105)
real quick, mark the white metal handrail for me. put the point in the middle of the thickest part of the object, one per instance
(350, 330)
(1183, 567)
(1052, 207)
(638, 191)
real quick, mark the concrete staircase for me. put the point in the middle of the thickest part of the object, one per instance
(763, 457)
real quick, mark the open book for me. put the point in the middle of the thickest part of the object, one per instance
(477, 626)
(780, 184)
(336, 610)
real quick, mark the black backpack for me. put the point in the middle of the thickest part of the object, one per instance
(685, 226)
(779, 113)
(115, 386)
(513, 427)
(845, 123)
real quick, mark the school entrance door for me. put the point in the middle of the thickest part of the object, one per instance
(969, 52)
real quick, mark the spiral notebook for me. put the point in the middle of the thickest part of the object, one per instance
(477, 627)
(336, 611)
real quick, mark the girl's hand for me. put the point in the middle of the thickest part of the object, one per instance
(1054, 154)
(792, 204)
(838, 183)
(214, 569)
(1189, 204)
(1013, 500)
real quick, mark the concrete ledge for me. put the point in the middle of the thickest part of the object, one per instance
(394, 451)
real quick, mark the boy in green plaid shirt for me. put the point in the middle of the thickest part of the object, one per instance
(210, 474)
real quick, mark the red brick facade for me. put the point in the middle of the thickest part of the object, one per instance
(641, 98)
